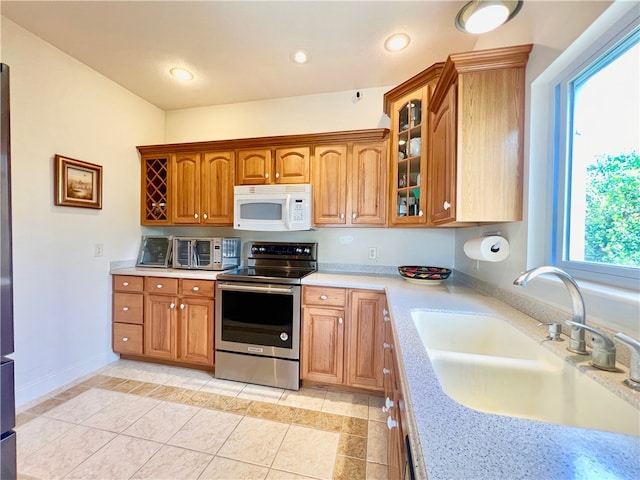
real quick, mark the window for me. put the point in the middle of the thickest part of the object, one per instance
(597, 167)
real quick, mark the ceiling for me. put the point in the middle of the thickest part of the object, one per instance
(240, 51)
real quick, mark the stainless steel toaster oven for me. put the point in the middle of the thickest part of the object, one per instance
(210, 253)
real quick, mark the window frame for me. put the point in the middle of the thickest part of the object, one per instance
(617, 40)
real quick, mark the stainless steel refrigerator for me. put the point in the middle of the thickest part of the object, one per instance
(7, 386)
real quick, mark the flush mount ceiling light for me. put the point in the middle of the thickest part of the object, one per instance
(397, 42)
(481, 16)
(300, 56)
(181, 73)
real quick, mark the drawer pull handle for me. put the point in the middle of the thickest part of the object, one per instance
(126, 284)
(125, 309)
(173, 305)
(323, 297)
(182, 306)
(125, 339)
(159, 285)
(195, 289)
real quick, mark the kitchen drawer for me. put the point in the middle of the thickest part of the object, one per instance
(161, 285)
(127, 283)
(324, 296)
(127, 338)
(197, 288)
(128, 307)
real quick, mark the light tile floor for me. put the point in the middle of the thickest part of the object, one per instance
(135, 420)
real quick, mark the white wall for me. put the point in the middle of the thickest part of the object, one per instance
(560, 24)
(61, 291)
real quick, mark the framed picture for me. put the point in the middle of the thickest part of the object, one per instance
(77, 183)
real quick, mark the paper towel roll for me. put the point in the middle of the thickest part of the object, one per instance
(489, 249)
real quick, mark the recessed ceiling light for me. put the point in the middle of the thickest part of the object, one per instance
(181, 73)
(397, 42)
(300, 56)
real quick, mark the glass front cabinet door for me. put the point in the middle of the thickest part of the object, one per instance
(409, 148)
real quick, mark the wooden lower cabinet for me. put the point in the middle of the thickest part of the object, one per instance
(342, 332)
(164, 318)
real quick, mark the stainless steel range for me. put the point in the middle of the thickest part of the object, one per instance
(257, 320)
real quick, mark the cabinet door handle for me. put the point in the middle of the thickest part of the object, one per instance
(173, 305)
(277, 175)
(205, 216)
(385, 311)
(182, 306)
(446, 205)
(386, 371)
(125, 339)
(420, 213)
(159, 285)
(195, 289)
(386, 345)
(125, 309)
(125, 284)
(391, 423)
(266, 175)
(340, 320)
(195, 215)
(323, 297)
(342, 216)
(354, 215)
(387, 318)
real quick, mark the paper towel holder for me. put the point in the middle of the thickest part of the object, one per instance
(497, 233)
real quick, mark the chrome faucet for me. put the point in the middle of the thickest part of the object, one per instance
(577, 343)
(603, 355)
(634, 364)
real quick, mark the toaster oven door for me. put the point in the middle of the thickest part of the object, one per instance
(192, 253)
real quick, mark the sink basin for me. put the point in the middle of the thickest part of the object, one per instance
(485, 363)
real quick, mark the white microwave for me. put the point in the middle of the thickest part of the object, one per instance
(272, 208)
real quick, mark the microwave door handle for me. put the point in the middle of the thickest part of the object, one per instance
(287, 215)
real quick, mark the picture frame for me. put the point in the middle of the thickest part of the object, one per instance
(77, 183)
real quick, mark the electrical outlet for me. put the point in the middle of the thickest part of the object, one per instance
(373, 253)
(98, 250)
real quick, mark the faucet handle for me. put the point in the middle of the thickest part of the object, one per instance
(555, 329)
(634, 363)
(603, 355)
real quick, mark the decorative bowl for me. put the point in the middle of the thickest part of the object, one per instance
(424, 275)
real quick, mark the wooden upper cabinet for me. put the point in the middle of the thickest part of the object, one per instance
(410, 141)
(329, 185)
(479, 137)
(292, 165)
(218, 177)
(185, 188)
(254, 167)
(349, 184)
(368, 184)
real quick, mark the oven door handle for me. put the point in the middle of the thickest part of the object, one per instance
(255, 288)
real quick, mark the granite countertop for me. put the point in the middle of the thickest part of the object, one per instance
(451, 441)
(457, 442)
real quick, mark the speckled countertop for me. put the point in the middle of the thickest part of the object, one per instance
(450, 441)
(456, 442)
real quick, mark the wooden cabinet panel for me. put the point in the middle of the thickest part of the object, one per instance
(322, 355)
(324, 296)
(185, 188)
(442, 168)
(127, 338)
(197, 288)
(196, 330)
(127, 307)
(366, 338)
(128, 283)
(218, 178)
(292, 165)
(329, 184)
(161, 285)
(160, 339)
(368, 184)
(254, 167)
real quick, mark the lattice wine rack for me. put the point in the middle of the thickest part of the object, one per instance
(156, 190)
